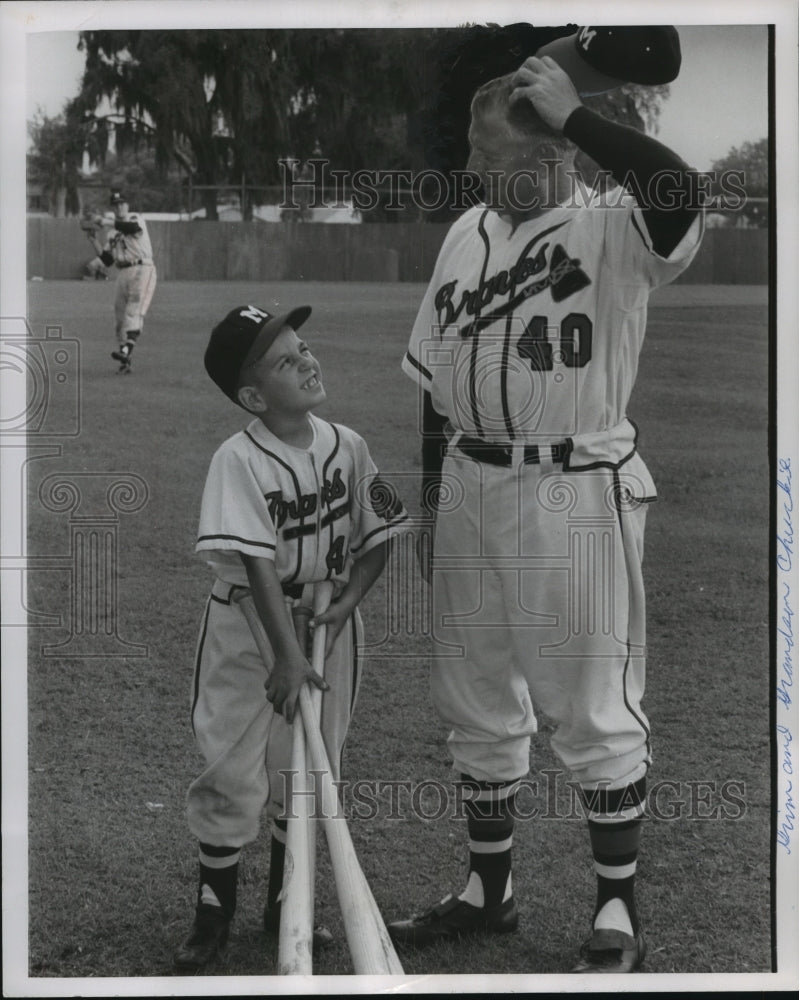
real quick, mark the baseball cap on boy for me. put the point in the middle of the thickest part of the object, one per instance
(117, 198)
(243, 336)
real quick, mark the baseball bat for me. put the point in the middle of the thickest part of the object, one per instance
(295, 938)
(323, 594)
(317, 597)
(370, 946)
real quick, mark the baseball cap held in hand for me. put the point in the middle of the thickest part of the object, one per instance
(241, 338)
(601, 57)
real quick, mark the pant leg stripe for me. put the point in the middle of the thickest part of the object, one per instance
(197, 662)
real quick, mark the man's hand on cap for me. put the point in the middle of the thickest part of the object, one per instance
(548, 87)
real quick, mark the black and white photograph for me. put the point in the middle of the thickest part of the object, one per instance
(397, 428)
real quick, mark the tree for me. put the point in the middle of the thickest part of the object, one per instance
(233, 103)
(745, 167)
(352, 88)
(145, 185)
(229, 105)
(355, 90)
(214, 100)
(56, 157)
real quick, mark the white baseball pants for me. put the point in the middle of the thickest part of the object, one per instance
(244, 742)
(133, 293)
(538, 604)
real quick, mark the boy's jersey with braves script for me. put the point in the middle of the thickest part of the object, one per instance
(533, 333)
(313, 511)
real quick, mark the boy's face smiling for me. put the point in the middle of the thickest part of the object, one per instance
(286, 380)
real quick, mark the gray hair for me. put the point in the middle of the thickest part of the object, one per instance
(521, 116)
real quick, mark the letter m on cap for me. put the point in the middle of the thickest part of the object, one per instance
(586, 36)
(253, 313)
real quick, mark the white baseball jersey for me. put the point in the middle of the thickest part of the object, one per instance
(313, 511)
(534, 333)
(526, 336)
(131, 248)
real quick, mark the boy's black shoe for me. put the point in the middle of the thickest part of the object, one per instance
(452, 919)
(207, 940)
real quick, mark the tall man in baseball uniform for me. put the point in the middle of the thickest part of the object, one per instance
(526, 349)
(128, 247)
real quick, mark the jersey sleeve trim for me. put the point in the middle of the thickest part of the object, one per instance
(417, 371)
(204, 540)
(684, 249)
(371, 539)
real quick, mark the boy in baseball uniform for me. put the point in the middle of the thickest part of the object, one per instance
(526, 349)
(290, 500)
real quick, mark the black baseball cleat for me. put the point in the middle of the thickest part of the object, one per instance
(322, 938)
(123, 356)
(452, 919)
(206, 941)
(610, 951)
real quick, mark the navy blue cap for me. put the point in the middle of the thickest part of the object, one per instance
(601, 57)
(241, 338)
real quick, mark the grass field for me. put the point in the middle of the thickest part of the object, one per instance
(112, 864)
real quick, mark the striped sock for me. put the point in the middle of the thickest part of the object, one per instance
(615, 819)
(489, 815)
(219, 872)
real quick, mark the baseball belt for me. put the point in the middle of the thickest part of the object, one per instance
(497, 454)
(130, 263)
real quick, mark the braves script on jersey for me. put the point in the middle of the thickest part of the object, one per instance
(310, 510)
(533, 333)
(531, 336)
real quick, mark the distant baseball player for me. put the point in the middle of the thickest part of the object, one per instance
(289, 500)
(128, 247)
(526, 350)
